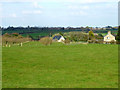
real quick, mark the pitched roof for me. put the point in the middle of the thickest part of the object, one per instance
(109, 34)
(57, 37)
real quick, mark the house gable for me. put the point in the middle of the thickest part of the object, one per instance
(59, 38)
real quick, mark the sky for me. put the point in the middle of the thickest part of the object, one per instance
(59, 13)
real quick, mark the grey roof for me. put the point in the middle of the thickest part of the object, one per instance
(57, 37)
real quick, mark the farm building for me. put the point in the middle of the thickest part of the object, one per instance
(58, 38)
(109, 37)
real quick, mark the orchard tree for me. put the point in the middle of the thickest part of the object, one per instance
(14, 38)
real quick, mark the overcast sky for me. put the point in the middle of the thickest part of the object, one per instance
(51, 13)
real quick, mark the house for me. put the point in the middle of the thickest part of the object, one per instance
(109, 37)
(58, 38)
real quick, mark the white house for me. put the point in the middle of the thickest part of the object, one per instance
(109, 37)
(59, 38)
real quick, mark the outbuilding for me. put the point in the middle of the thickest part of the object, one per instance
(58, 38)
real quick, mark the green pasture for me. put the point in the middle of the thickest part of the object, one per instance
(60, 66)
(36, 35)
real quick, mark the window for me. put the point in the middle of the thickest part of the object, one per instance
(108, 37)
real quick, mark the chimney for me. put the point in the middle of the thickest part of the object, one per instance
(109, 32)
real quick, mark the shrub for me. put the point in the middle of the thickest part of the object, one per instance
(15, 34)
(13, 40)
(118, 42)
(95, 41)
(78, 36)
(100, 35)
(90, 41)
(61, 33)
(46, 40)
(99, 42)
(67, 41)
(118, 36)
(7, 35)
(113, 42)
(4, 40)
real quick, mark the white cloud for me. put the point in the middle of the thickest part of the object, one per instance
(12, 15)
(78, 10)
(32, 12)
(36, 5)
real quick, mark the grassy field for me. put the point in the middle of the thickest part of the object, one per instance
(35, 35)
(60, 66)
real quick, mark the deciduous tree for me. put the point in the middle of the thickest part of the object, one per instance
(118, 36)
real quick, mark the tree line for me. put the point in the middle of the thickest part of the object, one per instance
(28, 30)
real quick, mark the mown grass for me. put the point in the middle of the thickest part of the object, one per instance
(60, 66)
